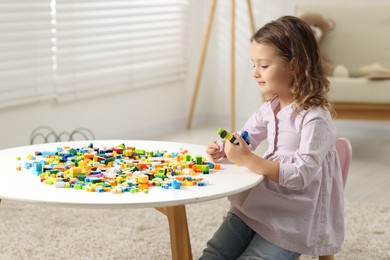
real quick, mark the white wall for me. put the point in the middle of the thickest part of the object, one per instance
(128, 115)
(165, 109)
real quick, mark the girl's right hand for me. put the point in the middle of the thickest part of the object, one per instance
(215, 150)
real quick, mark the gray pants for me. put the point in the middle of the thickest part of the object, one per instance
(236, 240)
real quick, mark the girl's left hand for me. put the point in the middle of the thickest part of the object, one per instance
(237, 153)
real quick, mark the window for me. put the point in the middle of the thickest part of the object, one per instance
(71, 49)
(25, 52)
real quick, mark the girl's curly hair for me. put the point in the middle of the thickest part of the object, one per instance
(296, 43)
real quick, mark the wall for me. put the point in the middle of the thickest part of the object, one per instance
(128, 115)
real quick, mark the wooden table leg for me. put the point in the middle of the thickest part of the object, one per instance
(178, 229)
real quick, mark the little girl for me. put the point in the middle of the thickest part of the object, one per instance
(298, 207)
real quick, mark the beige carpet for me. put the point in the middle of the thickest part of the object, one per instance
(30, 231)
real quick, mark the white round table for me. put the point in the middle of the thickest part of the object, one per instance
(26, 187)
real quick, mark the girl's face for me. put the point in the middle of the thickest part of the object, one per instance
(271, 72)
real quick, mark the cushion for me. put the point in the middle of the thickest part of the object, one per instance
(361, 90)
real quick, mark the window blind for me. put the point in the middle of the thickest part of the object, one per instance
(106, 46)
(74, 49)
(25, 52)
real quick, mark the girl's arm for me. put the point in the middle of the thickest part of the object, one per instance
(242, 155)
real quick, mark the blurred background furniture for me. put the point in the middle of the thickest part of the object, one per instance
(360, 42)
(45, 134)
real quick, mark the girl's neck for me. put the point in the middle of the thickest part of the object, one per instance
(284, 101)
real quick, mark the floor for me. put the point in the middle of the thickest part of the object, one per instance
(368, 180)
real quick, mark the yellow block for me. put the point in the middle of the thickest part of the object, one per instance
(143, 179)
(75, 171)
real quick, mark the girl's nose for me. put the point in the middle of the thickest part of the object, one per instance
(256, 73)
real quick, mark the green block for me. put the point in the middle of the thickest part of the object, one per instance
(140, 151)
(205, 169)
(72, 151)
(111, 159)
(198, 159)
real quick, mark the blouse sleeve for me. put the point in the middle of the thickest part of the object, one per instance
(317, 139)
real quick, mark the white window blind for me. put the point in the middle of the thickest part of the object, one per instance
(25, 52)
(105, 46)
(71, 49)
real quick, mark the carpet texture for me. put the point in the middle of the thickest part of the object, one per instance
(31, 231)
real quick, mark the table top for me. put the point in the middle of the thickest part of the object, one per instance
(25, 186)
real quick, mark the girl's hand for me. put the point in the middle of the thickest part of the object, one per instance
(238, 153)
(214, 151)
(241, 154)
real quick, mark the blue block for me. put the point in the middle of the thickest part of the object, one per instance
(125, 189)
(37, 169)
(48, 153)
(176, 184)
(210, 164)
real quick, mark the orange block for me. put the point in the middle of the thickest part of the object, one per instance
(59, 167)
(142, 187)
(188, 183)
(89, 156)
(180, 178)
(143, 165)
(129, 152)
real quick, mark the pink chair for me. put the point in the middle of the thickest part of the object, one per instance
(344, 150)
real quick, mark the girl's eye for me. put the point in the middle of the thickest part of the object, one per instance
(264, 67)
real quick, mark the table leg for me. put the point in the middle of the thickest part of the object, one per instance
(178, 229)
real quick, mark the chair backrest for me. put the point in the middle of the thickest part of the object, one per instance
(344, 150)
(45, 134)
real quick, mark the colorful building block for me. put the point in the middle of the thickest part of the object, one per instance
(122, 169)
